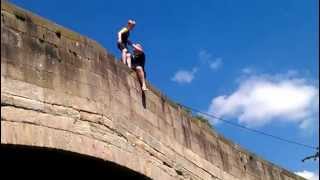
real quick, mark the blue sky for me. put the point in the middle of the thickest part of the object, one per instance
(252, 62)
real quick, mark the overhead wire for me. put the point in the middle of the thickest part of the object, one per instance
(250, 129)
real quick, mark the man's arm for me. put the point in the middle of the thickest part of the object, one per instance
(129, 42)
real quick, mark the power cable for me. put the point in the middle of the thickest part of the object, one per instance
(249, 129)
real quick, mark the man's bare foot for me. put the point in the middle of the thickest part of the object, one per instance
(144, 88)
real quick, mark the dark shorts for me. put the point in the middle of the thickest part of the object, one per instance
(137, 62)
(122, 46)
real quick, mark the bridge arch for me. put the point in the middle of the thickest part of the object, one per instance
(59, 163)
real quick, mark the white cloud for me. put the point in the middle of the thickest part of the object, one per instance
(262, 99)
(308, 175)
(247, 70)
(184, 76)
(207, 58)
(204, 56)
(216, 63)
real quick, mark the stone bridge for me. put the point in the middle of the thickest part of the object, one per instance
(63, 95)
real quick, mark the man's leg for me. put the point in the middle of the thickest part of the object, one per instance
(124, 54)
(128, 55)
(141, 78)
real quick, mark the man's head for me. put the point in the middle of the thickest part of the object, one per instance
(131, 24)
(137, 48)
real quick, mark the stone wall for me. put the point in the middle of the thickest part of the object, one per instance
(63, 90)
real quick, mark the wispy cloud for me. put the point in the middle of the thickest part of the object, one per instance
(204, 56)
(184, 76)
(308, 175)
(207, 58)
(262, 99)
(247, 70)
(215, 64)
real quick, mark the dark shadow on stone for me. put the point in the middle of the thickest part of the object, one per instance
(143, 94)
(40, 163)
(58, 34)
(143, 98)
(20, 17)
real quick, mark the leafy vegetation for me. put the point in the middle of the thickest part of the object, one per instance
(203, 120)
(197, 117)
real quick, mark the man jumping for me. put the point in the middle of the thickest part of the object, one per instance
(138, 62)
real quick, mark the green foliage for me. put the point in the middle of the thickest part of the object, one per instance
(197, 117)
(188, 111)
(203, 120)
